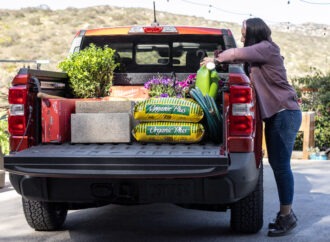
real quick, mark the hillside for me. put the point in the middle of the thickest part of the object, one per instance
(41, 33)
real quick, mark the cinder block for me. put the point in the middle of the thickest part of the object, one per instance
(100, 128)
(104, 106)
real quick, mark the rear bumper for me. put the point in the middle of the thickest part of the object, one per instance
(118, 161)
(223, 188)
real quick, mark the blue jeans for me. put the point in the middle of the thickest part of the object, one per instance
(280, 132)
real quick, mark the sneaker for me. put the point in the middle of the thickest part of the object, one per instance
(272, 225)
(282, 225)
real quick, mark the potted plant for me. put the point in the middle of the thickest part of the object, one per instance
(162, 86)
(90, 71)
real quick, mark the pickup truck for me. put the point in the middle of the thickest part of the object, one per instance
(55, 178)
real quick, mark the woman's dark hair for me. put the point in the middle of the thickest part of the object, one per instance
(256, 31)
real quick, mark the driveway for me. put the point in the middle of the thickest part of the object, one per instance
(166, 222)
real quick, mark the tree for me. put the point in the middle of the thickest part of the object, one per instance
(314, 90)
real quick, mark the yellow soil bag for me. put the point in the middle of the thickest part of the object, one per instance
(168, 109)
(168, 132)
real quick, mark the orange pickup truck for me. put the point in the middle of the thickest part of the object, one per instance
(54, 178)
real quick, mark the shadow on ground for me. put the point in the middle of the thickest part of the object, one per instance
(166, 222)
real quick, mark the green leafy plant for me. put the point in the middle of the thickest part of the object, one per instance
(4, 135)
(313, 150)
(90, 71)
(314, 91)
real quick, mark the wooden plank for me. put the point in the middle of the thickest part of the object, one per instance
(308, 137)
(307, 127)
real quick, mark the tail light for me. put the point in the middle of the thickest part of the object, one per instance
(17, 101)
(18, 114)
(241, 128)
(153, 29)
(241, 116)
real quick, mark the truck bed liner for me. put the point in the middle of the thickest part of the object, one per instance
(133, 159)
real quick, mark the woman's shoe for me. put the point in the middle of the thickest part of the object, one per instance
(272, 225)
(282, 225)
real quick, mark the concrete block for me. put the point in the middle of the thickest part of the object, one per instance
(117, 106)
(101, 128)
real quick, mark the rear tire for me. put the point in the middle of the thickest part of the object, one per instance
(44, 216)
(247, 214)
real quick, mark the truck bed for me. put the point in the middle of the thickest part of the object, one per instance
(119, 160)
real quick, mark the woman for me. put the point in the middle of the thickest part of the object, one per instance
(279, 110)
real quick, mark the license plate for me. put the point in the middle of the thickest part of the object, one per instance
(174, 192)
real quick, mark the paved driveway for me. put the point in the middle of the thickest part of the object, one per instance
(165, 222)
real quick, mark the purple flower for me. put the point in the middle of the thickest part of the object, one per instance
(164, 95)
(167, 87)
(147, 85)
(192, 76)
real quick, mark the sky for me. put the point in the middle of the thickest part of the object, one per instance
(272, 11)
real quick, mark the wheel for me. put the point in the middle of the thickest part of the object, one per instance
(44, 216)
(247, 214)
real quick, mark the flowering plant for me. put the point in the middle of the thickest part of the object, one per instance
(170, 87)
(183, 87)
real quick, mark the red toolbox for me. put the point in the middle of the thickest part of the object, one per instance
(56, 120)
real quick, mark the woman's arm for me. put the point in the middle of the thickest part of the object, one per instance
(256, 54)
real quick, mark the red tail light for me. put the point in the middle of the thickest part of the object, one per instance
(241, 128)
(241, 125)
(17, 94)
(16, 125)
(241, 113)
(20, 79)
(240, 94)
(17, 114)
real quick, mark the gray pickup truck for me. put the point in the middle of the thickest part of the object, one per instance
(55, 178)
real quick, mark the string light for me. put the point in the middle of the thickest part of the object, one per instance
(216, 8)
(210, 7)
(317, 3)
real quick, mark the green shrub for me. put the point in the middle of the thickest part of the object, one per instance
(90, 71)
(6, 41)
(314, 90)
(34, 21)
(4, 135)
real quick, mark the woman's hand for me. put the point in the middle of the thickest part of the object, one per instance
(207, 60)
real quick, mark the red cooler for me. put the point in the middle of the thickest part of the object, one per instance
(56, 120)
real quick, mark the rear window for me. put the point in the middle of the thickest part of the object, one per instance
(181, 53)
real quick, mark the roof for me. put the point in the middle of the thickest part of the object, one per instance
(125, 30)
